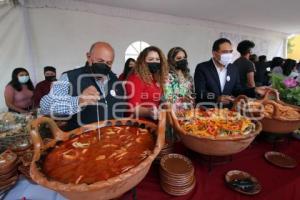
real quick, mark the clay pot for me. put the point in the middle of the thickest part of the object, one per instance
(215, 146)
(107, 189)
(275, 123)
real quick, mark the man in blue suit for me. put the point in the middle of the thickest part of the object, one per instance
(217, 80)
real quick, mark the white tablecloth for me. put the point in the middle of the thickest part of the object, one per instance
(30, 191)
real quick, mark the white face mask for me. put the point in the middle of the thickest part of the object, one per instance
(23, 79)
(226, 58)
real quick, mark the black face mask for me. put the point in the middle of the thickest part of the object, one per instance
(154, 67)
(100, 68)
(181, 64)
(50, 78)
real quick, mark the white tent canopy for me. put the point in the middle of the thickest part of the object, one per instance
(275, 15)
(37, 33)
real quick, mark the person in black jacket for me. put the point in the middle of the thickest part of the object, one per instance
(217, 80)
(89, 93)
(263, 68)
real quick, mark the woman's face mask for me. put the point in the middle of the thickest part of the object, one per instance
(154, 67)
(153, 62)
(181, 64)
(23, 79)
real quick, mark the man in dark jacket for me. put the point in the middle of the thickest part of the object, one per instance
(89, 93)
(217, 80)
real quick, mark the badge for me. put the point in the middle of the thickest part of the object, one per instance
(228, 78)
(113, 93)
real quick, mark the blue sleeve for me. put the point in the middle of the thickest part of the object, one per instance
(59, 102)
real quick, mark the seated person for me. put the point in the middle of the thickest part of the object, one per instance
(217, 80)
(43, 87)
(19, 92)
(89, 93)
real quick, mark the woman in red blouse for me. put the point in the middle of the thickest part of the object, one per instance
(145, 85)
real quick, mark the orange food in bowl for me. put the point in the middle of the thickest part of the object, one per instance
(86, 159)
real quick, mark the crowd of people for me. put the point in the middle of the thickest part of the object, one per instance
(93, 92)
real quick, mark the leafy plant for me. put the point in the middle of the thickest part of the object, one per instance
(288, 88)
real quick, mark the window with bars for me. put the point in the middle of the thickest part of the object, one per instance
(134, 49)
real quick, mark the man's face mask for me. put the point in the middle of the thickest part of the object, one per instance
(226, 58)
(50, 78)
(154, 67)
(100, 69)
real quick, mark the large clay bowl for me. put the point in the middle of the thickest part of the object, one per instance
(275, 123)
(279, 126)
(109, 189)
(215, 146)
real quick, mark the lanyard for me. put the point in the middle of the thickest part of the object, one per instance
(102, 89)
(98, 127)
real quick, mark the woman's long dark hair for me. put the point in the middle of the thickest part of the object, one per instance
(288, 66)
(127, 69)
(15, 82)
(172, 63)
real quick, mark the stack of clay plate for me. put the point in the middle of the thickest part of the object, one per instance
(21, 147)
(24, 167)
(177, 174)
(8, 170)
(167, 149)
